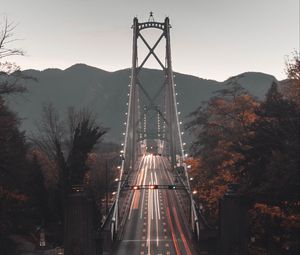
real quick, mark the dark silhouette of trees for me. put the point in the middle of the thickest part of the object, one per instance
(67, 144)
(85, 134)
(220, 125)
(37, 190)
(12, 174)
(271, 163)
(13, 164)
(255, 144)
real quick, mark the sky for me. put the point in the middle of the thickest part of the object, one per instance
(211, 39)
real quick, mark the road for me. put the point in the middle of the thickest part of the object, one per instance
(155, 222)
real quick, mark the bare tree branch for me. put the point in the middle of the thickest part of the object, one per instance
(6, 35)
(10, 74)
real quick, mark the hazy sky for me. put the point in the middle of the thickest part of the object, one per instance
(211, 39)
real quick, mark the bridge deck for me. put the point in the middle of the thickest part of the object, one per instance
(156, 223)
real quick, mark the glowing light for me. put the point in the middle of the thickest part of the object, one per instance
(189, 166)
(191, 178)
(195, 192)
(114, 193)
(117, 179)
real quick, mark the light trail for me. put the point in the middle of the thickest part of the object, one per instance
(187, 248)
(157, 200)
(150, 208)
(172, 232)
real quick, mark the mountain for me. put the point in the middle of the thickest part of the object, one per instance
(106, 93)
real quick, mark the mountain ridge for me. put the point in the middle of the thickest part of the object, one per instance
(105, 92)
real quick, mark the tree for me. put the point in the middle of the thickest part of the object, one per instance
(13, 164)
(37, 190)
(291, 86)
(219, 126)
(68, 144)
(10, 75)
(292, 66)
(271, 163)
(85, 134)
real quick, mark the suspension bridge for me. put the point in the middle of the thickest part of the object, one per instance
(154, 211)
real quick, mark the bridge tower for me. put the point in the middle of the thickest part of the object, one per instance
(152, 104)
(159, 107)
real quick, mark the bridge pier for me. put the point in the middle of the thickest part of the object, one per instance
(106, 242)
(80, 233)
(232, 229)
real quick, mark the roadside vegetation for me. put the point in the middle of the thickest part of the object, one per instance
(239, 139)
(38, 171)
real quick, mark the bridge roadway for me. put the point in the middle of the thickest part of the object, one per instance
(156, 223)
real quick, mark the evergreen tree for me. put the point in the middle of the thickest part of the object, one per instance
(271, 165)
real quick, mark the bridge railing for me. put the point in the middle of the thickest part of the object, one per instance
(198, 221)
(108, 216)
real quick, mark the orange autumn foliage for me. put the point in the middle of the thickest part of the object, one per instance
(288, 220)
(12, 195)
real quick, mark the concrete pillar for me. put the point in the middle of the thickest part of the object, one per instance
(232, 223)
(79, 234)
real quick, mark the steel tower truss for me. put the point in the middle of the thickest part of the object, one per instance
(167, 116)
(163, 103)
